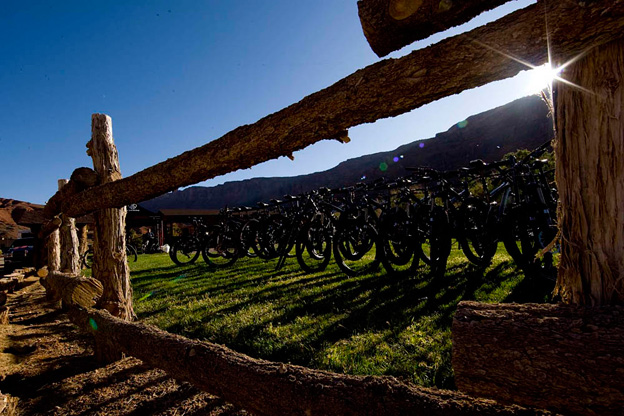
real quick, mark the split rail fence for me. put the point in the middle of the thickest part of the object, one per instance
(557, 30)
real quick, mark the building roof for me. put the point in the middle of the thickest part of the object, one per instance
(188, 212)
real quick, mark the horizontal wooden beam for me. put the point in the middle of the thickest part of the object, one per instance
(270, 388)
(81, 179)
(566, 359)
(385, 89)
(391, 24)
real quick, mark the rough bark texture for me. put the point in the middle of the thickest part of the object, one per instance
(70, 258)
(83, 237)
(563, 358)
(385, 89)
(50, 226)
(72, 289)
(590, 177)
(109, 241)
(268, 388)
(4, 315)
(81, 179)
(53, 243)
(391, 24)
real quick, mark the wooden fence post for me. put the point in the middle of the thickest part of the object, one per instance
(53, 243)
(70, 258)
(109, 239)
(590, 177)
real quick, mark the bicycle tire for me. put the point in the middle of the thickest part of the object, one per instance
(185, 251)
(87, 259)
(314, 246)
(221, 250)
(399, 255)
(435, 238)
(476, 232)
(356, 237)
(524, 238)
(131, 253)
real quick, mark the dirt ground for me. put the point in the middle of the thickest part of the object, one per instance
(47, 368)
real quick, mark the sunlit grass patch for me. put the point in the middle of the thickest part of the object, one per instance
(370, 324)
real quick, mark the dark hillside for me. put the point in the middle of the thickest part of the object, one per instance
(524, 123)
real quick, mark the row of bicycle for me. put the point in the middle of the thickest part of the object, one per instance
(400, 224)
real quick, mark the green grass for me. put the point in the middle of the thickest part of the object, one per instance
(373, 324)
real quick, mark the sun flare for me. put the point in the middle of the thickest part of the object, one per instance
(542, 77)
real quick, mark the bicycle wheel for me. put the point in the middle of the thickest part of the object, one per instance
(131, 253)
(476, 232)
(249, 238)
(222, 249)
(434, 235)
(185, 251)
(87, 259)
(355, 244)
(526, 233)
(271, 237)
(313, 247)
(396, 233)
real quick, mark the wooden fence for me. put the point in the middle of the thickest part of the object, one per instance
(498, 50)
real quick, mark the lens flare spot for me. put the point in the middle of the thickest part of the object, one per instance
(401, 156)
(396, 159)
(93, 324)
(146, 296)
(363, 177)
(383, 166)
(462, 124)
(421, 145)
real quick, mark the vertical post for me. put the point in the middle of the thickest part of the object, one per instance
(70, 259)
(83, 239)
(53, 243)
(109, 239)
(590, 177)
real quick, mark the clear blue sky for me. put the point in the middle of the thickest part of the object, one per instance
(174, 75)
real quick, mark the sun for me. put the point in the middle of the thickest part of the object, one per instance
(541, 77)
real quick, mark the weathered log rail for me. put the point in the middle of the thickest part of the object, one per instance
(269, 388)
(385, 89)
(563, 358)
(390, 25)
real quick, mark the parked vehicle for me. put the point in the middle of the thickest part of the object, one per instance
(20, 254)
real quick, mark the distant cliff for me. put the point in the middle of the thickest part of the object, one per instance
(9, 210)
(524, 123)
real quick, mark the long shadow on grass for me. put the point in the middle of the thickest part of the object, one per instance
(370, 303)
(290, 316)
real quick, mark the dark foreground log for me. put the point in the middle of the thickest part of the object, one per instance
(73, 290)
(391, 24)
(269, 388)
(567, 359)
(385, 89)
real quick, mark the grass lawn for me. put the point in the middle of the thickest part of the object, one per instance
(373, 324)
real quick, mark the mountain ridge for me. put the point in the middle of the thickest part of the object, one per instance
(523, 123)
